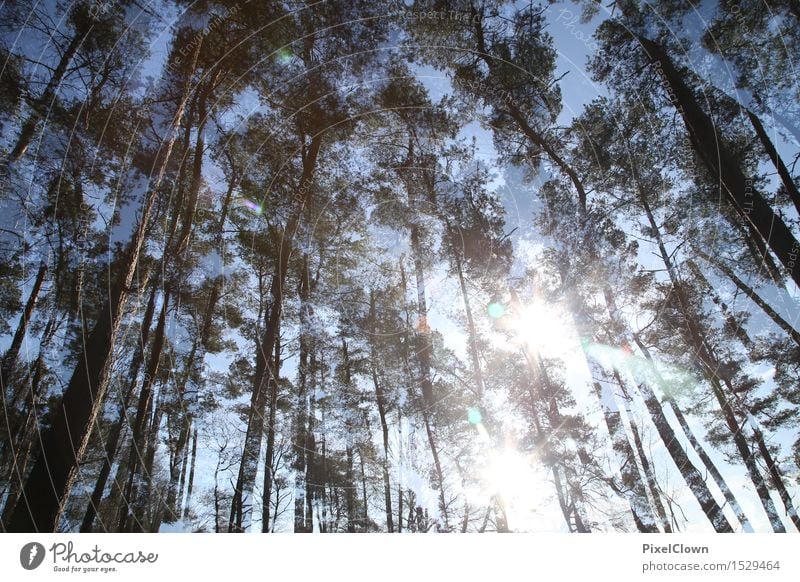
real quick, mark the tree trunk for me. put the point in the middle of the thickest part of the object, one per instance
(473, 335)
(652, 484)
(708, 364)
(753, 296)
(365, 516)
(143, 501)
(12, 353)
(631, 484)
(197, 354)
(45, 101)
(759, 217)
(63, 445)
(310, 447)
(349, 492)
(694, 480)
(380, 399)
(137, 461)
(241, 505)
(191, 476)
(775, 473)
(783, 171)
(424, 351)
(112, 440)
(269, 469)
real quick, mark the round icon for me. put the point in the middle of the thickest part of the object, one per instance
(31, 555)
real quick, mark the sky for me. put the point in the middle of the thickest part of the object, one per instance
(574, 43)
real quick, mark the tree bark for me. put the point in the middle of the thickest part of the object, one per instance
(269, 469)
(63, 445)
(772, 152)
(12, 353)
(751, 206)
(255, 425)
(753, 296)
(191, 476)
(694, 480)
(137, 461)
(708, 364)
(112, 440)
(381, 403)
(32, 122)
(652, 483)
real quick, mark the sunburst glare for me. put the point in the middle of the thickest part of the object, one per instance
(519, 480)
(546, 328)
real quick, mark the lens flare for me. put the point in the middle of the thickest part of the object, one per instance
(284, 56)
(546, 328)
(252, 206)
(495, 310)
(474, 416)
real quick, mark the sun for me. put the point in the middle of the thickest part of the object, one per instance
(547, 329)
(507, 473)
(519, 480)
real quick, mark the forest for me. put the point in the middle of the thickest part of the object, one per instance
(464, 266)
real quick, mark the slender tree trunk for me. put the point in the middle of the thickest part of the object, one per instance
(112, 440)
(349, 492)
(710, 467)
(387, 484)
(399, 508)
(310, 447)
(365, 517)
(380, 399)
(652, 483)
(269, 469)
(783, 171)
(144, 494)
(438, 466)
(561, 495)
(197, 354)
(45, 101)
(255, 426)
(712, 149)
(12, 353)
(191, 476)
(693, 478)
(753, 296)
(423, 354)
(64, 443)
(473, 334)
(709, 366)
(631, 484)
(137, 461)
(775, 474)
(305, 374)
